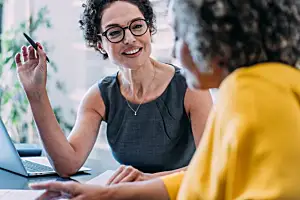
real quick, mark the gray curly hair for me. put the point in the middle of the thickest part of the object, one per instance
(240, 33)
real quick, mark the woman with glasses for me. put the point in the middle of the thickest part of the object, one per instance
(149, 111)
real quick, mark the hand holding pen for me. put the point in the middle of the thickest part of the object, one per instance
(33, 44)
(32, 69)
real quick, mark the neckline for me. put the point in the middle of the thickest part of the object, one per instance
(151, 101)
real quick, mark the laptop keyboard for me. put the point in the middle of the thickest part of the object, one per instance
(35, 167)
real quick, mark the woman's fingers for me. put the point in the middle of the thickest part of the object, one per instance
(132, 176)
(24, 53)
(18, 60)
(41, 54)
(29, 54)
(31, 51)
(112, 178)
(49, 195)
(121, 176)
(125, 174)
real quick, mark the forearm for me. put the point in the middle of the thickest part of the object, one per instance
(159, 174)
(56, 144)
(145, 190)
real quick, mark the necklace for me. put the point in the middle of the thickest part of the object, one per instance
(137, 109)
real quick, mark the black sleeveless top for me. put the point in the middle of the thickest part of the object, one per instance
(159, 137)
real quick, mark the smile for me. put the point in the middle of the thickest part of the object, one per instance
(132, 52)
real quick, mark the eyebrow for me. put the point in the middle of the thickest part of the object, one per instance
(113, 25)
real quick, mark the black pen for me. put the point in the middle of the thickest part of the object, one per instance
(33, 44)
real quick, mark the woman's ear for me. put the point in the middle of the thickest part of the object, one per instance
(183, 54)
(219, 63)
(219, 66)
(99, 45)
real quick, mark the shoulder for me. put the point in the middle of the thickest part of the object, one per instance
(170, 70)
(176, 76)
(244, 92)
(179, 74)
(92, 100)
(169, 78)
(197, 99)
(91, 96)
(240, 92)
(108, 87)
(252, 105)
(107, 81)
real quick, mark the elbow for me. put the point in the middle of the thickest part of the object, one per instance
(64, 175)
(66, 168)
(66, 172)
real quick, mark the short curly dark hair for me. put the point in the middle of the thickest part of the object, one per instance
(90, 21)
(240, 33)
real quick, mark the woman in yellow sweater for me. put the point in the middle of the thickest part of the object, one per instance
(251, 146)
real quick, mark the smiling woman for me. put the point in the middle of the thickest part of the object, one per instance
(91, 20)
(149, 111)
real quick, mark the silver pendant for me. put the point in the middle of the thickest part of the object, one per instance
(135, 113)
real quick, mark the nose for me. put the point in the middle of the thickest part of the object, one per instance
(129, 37)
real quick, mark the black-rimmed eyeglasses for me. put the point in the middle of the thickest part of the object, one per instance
(116, 34)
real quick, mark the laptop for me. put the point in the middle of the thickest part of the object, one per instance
(11, 161)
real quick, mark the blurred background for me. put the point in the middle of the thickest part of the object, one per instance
(73, 69)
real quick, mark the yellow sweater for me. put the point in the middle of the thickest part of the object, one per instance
(251, 146)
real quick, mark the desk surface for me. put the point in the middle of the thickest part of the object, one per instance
(10, 180)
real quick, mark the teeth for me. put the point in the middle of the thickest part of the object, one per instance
(132, 51)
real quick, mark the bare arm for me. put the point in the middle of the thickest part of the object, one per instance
(198, 105)
(147, 190)
(65, 156)
(159, 174)
(68, 155)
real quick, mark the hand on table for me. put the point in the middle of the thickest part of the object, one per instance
(128, 174)
(70, 190)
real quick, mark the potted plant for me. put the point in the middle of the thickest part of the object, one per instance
(14, 107)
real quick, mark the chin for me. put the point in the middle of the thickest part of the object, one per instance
(133, 64)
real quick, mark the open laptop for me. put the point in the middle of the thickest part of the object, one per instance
(11, 161)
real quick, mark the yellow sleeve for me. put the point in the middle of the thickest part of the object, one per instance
(207, 173)
(250, 148)
(172, 183)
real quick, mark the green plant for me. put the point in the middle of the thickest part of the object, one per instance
(14, 106)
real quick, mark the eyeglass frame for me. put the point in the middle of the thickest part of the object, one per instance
(124, 29)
